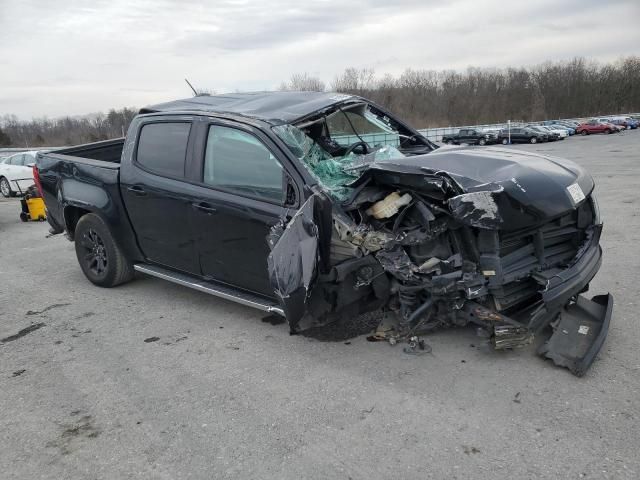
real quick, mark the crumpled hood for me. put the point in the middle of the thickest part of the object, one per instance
(528, 188)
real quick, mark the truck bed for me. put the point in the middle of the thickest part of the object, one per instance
(106, 151)
(80, 179)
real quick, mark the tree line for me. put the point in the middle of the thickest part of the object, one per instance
(430, 98)
(425, 98)
(40, 132)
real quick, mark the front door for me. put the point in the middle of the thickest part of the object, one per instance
(240, 200)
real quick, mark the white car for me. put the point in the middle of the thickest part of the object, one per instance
(16, 167)
(561, 132)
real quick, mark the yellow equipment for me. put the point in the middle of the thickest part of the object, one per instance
(32, 205)
(34, 210)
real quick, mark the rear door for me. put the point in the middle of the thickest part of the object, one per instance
(243, 194)
(517, 135)
(470, 137)
(157, 195)
(595, 127)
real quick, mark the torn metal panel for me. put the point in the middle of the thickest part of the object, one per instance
(476, 209)
(398, 264)
(293, 260)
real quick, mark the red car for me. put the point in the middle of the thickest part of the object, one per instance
(594, 126)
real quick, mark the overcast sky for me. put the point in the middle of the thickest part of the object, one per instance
(60, 57)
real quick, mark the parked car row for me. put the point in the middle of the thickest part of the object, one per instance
(472, 136)
(16, 173)
(548, 131)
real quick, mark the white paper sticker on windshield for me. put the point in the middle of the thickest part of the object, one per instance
(583, 329)
(577, 195)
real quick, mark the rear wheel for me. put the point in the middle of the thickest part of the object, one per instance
(482, 141)
(449, 142)
(533, 140)
(505, 141)
(607, 131)
(101, 259)
(584, 132)
(5, 188)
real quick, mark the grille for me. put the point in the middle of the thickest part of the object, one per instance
(545, 248)
(549, 246)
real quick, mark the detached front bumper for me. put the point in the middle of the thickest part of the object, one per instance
(578, 335)
(580, 325)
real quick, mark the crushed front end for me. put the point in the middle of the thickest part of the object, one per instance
(430, 240)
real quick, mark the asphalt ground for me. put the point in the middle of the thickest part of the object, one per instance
(153, 380)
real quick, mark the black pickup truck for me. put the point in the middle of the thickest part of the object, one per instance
(249, 197)
(471, 136)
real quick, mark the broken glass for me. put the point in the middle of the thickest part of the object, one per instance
(334, 174)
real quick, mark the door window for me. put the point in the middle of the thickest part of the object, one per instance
(238, 161)
(16, 159)
(162, 148)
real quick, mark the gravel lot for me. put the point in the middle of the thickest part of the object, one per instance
(152, 380)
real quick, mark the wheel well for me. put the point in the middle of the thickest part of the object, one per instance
(72, 216)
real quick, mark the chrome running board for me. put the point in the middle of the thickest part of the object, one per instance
(218, 290)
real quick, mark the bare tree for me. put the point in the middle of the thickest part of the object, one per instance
(303, 82)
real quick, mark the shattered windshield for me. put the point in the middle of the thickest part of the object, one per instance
(325, 147)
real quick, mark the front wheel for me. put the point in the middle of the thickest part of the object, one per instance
(533, 140)
(607, 131)
(584, 132)
(5, 188)
(449, 142)
(505, 141)
(101, 259)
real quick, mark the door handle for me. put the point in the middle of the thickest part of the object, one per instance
(204, 207)
(137, 190)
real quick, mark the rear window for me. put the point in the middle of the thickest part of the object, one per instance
(162, 147)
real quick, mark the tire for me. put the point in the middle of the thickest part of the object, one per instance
(482, 141)
(5, 188)
(584, 132)
(450, 142)
(533, 140)
(100, 258)
(608, 131)
(505, 141)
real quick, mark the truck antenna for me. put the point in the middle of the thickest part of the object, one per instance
(195, 93)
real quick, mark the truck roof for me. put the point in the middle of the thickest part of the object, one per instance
(273, 107)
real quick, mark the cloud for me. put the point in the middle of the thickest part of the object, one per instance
(75, 57)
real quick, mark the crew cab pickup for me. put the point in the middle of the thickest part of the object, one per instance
(250, 198)
(471, 136)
